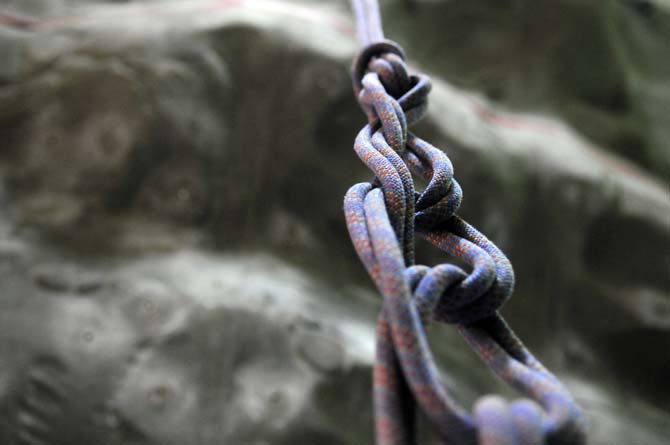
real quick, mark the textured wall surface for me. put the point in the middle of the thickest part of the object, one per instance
(174, 265)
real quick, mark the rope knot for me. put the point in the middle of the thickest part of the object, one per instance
(387, 93)
(365, 59)
(442, 197)
(448, 294)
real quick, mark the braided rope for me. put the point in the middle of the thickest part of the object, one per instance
(382, 218)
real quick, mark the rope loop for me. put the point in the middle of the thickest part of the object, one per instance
(500, 423)
(367, 54)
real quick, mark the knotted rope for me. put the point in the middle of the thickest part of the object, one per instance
(382, 218)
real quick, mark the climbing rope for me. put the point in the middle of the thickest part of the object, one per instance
(382, 218)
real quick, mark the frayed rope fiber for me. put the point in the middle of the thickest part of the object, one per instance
(383, 218)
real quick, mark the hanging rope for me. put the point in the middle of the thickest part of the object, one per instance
(382, 218)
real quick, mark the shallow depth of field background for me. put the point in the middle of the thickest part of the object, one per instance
(174, 264)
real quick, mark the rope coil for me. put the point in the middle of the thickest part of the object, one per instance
(382, 219)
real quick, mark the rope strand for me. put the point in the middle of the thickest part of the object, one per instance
(368, 21)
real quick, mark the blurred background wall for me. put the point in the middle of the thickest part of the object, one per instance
(174, 263)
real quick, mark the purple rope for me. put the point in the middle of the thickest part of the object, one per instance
(368, 21)
(382, 218)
